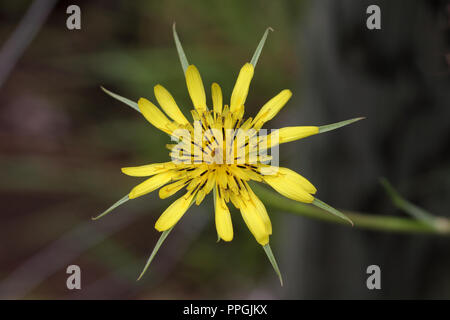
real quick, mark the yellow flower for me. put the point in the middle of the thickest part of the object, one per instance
(220, 152)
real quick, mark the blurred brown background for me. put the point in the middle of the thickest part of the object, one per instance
(63, 142)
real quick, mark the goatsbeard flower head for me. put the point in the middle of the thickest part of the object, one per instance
(219, 153)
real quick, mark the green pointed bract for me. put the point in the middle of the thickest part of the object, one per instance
(181, 54)
(115, 205)
(155, 251)
(260, 47)
(337, 125)
(408, 207)
(128, 102)
(272, 260)
(331, 210)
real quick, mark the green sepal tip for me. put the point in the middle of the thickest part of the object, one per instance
(337, 125)
(331, 210)
(181, 54)
(161, 239)
(258, 50)
(115, 205)
(128, 102)
(273, 261)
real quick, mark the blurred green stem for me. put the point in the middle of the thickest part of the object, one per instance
(361, 220)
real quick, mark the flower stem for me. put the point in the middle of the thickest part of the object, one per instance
(361, 220)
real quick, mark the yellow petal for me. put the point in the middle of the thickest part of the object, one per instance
(232, 183)
(216, 93)
(193, 184)
(288, 134)
(247, 124)
(241, 87)
(195, 87)
(261, 209)
(169, 105)
(255, 223)
(271, 108)
(147, 170)
(221, 177)
(224, 225)
(173, 213)
(155, 116)
(245, 173)
(211, 181)
(297, 178)
(225, 194)
(200, 196)
(235, 199)
(151, 184)
(291, 185)
(171, 189)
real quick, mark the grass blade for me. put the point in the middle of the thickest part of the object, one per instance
(260, 47)
(331, 210)
(115, 205)
(337, 125)
(155, 250)
(128, 102)
(181, 54)
(272, 260)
